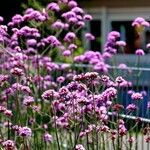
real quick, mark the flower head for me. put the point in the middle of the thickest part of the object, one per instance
(47, 137)
(137, 96)
(53, 6)
(25, 132)
(28, 100)
(9, 144)
(79, 147)
(70, 36)
(139, 52)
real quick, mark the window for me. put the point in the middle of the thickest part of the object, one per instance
(129, 34)
(95, 29)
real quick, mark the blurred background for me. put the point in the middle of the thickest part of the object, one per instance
(108, 15)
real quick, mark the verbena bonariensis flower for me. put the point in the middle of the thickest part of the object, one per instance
(148, 105)
(69, 14)
(121, 43)
(60, 79)
(35, 15)
(31, 42)
(131, 139)
(122, 66)
(89, 36)
(101, 67)
(77, 10)
(78, 101)
(1, 19)
(25, 132)
(9, 145)
(112, 42)
(8, 113)
(72, 47)
(148, 45)
(58, 25)
(69, 37)
(131, 107)
(87, 17)
(139, 52)
(47, 137)
(109, 93)
(122, 129)
(53, 7)
(66, 53)
(137, 96)
(17, 19)
(72, 4)
(139, 21)
(28, 100)
(52, 40)
(50, 94)
(87, 77)
(17, 71)
(79, 147)
(27, 31)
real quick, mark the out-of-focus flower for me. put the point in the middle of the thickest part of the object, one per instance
(139, 21)
(28, 100)
(131, 107)
(25, 132)
(87, 17)
(66, 53)
(47, 137)
(79, 147)
(121, 43)
(9, 145)
(53, 6)
(58, 25)
(69, 37)
(148, 45)
(89, 36)
(31, 42)
(139, 52)
(137, 96)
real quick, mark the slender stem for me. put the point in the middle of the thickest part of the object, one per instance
(57, 138)
(87, 142)
(103, 142)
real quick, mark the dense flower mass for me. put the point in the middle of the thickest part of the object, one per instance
(56, 94)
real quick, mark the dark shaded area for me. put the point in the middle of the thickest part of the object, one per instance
(127, 34)
(95, 29)
(114, 3)
(9, 8)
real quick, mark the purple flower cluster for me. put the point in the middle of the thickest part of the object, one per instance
(139, 52)
(9, 144)
(47, 137)
(139, 21)
(137, 96)
(25, 132)
(43, 98)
